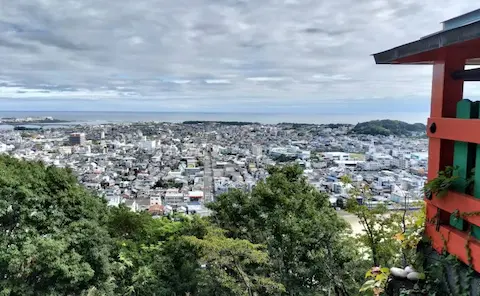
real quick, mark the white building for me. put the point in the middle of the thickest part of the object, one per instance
(147, 145)
(257, 150)
(342, 156)
(155, 199)
(174, 198)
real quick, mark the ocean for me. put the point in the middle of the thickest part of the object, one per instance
(94, 117)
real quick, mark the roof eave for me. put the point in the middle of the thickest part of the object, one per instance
(424, 51)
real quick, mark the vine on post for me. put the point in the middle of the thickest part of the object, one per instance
(442, 183)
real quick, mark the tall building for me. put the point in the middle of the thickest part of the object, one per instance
(77, 139)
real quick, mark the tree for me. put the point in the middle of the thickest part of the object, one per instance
(52, 238)
(380, 226)
(185, 256)
(232, 266)
(307, 241)
(150, 257)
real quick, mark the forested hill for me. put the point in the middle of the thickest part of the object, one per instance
(388, 127)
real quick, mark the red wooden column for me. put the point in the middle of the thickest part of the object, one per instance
(446, 92)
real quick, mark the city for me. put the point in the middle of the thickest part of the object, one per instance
(165, 167)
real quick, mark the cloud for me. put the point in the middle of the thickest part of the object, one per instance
(209, 53)
(217, 81)
(265, 79)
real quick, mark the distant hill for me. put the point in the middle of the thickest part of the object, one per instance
(388, 127)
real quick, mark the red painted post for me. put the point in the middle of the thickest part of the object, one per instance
(446, 93)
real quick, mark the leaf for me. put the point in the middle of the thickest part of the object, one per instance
(367, 285)
(400, 237)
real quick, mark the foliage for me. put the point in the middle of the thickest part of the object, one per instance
(167, 184)
(440, 185)
(184, 256)
(284, 158)
(387, 127)
(52, 241)
(380, 226)
(232, 266)
(412, 235)
(445, 276)
(305, 238)
(376, 280)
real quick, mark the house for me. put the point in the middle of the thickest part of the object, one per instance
(174, 198)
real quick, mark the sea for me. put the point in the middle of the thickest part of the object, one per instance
(103, 117)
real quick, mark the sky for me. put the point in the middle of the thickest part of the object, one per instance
(311, 56)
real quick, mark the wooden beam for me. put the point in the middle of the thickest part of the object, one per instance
(459, 201)
(467, 75)
(454, 129)
(454, 241)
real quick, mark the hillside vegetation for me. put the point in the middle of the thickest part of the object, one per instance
(388, 127)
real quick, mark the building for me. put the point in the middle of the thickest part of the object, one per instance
(257, 150)
(77, 139)
(155, 199)
(196, 195)
(451, 126)
(174, 198)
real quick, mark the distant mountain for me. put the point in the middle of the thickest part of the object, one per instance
(388, 127)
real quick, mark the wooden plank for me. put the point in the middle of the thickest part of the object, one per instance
(455, 242)
(464, 153)
(467, 75)
(455, 129)
(459, 201)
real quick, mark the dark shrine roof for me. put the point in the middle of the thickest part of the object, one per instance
(464, 39)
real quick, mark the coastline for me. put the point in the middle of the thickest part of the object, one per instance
(99, 117)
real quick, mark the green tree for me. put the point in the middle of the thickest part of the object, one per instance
(380, 226)
(232, 266)
(150, 257)
(52, 238)
(307, 241)
(185, 256)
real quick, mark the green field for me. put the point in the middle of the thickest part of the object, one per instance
(357, 156)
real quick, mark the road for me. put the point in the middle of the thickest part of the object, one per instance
(208, 185)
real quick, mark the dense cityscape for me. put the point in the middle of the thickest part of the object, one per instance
(165, 167)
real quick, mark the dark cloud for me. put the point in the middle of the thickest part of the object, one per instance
(18, 46)
(50, 39)
(328, 31)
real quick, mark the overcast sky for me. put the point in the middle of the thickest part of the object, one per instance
(215, 55)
